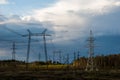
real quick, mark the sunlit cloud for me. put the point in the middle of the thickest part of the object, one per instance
(4, 53)
(77, 16)
(68, 21)
(4, 2)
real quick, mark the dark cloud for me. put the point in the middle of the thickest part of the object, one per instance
(107, 24)
(12, 32)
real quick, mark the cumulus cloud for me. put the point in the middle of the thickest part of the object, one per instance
(4, 2)
(17, 20)
(75, 17)
(12, 28)
(72, 19)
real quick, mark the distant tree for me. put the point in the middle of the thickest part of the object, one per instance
(102, 62)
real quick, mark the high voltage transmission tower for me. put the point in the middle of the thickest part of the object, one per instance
(45, 47)
(13, 53)
(28, 49)
(59, 52)
(13, 47)
(90, 62)
(29, 35)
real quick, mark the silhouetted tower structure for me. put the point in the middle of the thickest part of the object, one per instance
(78, 55)
(90, 62)
(29, 35)
(74, 59)
(68, 63)
(54, 56)
(28, 49)
(74, 56)
(45, 45)
(78, 58)
(39, 57)
(13, 53)
(59, 54)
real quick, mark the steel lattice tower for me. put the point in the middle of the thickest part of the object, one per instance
(90, 62)
(13, 53)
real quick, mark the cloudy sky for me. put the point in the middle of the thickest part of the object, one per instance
(68, 21)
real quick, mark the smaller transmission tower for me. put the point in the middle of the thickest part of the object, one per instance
(59, 52)
(13, 53)
(90, 62)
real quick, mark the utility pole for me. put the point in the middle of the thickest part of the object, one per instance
(90, 62)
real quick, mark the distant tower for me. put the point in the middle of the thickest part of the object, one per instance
(90, 62)
(13, 53)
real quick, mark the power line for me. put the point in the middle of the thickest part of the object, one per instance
(13, 31)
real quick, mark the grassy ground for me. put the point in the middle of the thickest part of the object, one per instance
(54, 72)
(58, 75)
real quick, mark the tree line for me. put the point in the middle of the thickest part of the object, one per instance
(101, 62)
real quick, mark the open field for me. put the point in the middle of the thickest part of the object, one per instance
(55, 72)
(16, 70)
(59, 75)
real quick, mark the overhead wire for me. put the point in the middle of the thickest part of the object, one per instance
(13, 31)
